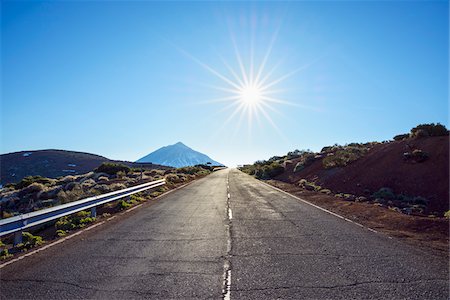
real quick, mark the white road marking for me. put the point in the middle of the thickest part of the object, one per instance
(227, 295)
(230, 214)
(226, 291)
(133, 208)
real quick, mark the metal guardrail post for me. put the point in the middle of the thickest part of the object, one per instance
(17, 238)
(93, 212)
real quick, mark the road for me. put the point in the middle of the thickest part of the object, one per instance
(257, 244)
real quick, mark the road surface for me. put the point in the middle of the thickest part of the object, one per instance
(227, 235)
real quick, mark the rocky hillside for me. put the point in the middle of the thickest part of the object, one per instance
(51, 163)
(410, 173)
(37, 192)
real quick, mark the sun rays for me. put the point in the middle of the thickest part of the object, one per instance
(250, 86)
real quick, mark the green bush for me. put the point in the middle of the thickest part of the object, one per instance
(447, 214)
(122, 205)
(31, 241)
(112, 168)
(78, 220)
(137, 197)
(4, 254)
(61, 233)
(429, 130)
(269, 171)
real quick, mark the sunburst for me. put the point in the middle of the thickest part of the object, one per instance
(251, 90)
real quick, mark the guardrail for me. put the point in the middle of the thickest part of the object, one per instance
(21, 222)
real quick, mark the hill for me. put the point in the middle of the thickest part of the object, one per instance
(177, 155)
(409, 174)
(51, 163)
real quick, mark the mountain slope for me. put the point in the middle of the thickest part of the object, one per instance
(384, 166)
(52, 163)
(177, 155)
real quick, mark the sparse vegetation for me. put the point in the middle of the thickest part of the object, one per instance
(30, 241)
(431, 129)
(344, 156)
(32, 179)
(71, 222)
(112, 169)
(306, 158)
(447, 214)
(122, 205)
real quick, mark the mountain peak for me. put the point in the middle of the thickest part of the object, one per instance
(177, 155)
(180, 144)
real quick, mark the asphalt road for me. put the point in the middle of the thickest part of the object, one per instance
(257, 244)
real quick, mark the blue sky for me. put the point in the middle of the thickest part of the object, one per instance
(123, 78)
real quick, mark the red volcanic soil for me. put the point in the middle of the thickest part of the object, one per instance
(384, 166)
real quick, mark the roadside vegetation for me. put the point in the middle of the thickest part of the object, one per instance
(35, 192)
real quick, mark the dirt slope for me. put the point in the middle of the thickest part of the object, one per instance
(384, 166)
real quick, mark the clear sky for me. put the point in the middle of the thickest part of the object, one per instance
(123, 78)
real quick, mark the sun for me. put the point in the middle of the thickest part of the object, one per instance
(250, 86)
(250, 95)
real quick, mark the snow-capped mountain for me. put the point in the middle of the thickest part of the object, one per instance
(177, 155)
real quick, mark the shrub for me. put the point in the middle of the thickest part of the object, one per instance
(61, 233)
(30, 241)
(270, 171)
(78, 220)
(4, 254)
(384, 193)
(420, 201)
(325, 191)
(343, 157)
(137, 198)
(429, 130)
(33, 188)
(447, 214)
(122, 205)
(112, 168)
(401, 137)
(32, 179)
(172, 178)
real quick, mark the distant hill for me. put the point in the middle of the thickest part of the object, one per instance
(177, 155)
(52, 164)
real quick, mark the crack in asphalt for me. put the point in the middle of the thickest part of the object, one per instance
(157, 240)
(309, 254)
(80, 286)
(209, 260)
(341, 285)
